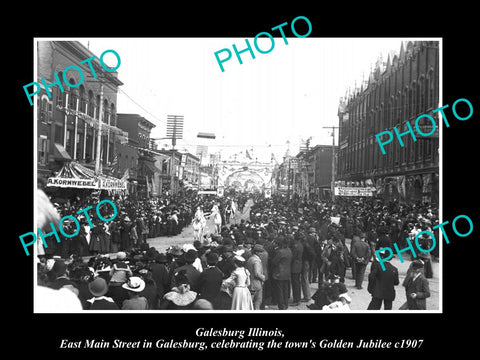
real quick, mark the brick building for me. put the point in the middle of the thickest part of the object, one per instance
(136, 155)
(397, 92)
(66, 126)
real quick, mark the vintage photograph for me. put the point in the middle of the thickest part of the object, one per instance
(276, 173)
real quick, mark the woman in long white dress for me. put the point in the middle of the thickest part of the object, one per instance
(241, 297)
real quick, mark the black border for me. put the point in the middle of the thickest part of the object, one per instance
(43, 332)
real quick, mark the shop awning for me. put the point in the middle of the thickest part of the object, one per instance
(151, 167)
(74, 175)
(59, 153)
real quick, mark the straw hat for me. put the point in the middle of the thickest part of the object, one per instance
(134, 284)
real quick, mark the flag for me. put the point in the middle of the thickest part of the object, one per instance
(115, 159)
(149, 187)
(114, 163)
(154, 188)
(126, 174)
(247, 154)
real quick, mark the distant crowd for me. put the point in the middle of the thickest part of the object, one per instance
(267, 260)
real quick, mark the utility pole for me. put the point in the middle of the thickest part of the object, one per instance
(174, 131)
(332, 186)
(99, 132)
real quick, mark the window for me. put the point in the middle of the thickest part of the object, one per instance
(412, 98)
(44, 110)
(91, 103)
(43, 143)
(97, 107)
(105, 111)
(58, 137)
(79, 146)
(432, 90)
(72, 99)
(113, 121)
(88, 148)
(69, 145)
(61, 96)
(83, 101)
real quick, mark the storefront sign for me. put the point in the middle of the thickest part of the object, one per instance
(73, 183)
(353, 191)
(107, 184)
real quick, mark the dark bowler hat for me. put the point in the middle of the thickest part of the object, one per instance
(161, 258)
(190, 256)
(227, 248)
(417, 264)
(212, 258)
(59, 268)
(258, 248)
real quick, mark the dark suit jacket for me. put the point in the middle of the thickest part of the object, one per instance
(360, 249)
(281, 264)
(209, 283)
(161, 278)
(102, 304)
(384, 281)
(192, 275)
(297, 256)
(226, 265)
(420, 287)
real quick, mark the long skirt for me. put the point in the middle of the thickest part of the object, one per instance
(242, 299)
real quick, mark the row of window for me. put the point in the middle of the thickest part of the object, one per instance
(367, 157)
(419, 98)
(88, 103)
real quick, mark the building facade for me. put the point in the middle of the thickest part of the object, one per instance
(319, 169)
(396, 93)
(185, 170)
(136, 156)
(67, 122)
(307, 174)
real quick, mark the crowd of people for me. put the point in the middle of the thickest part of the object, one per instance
(135, 222)
(268, 259)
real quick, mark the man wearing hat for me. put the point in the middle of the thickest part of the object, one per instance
(197, 264)
(160, 274)
(135, 285)
(417, 288)
(257, 278)
(175, 254)
(210, 280)
(381, 284)
(360, 253)
(281, 273)
(425, 242)
(98, 288)
(61, 279)
(191, 272)
(226, 264)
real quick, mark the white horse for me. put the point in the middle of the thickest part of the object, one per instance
(217, 218)
(199, 222)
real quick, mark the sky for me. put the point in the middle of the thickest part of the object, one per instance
(286, 95)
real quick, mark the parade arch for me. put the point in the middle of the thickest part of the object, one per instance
(245, 176)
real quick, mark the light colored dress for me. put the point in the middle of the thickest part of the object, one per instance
(241, 297)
